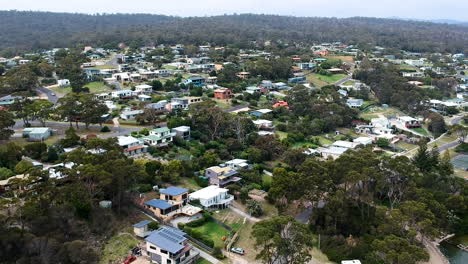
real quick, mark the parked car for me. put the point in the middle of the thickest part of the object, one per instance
(129, 260)
(239, 251)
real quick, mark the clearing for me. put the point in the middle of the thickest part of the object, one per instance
(117, 248)
(323, 80)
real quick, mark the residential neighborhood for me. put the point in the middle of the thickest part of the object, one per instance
(178, 150)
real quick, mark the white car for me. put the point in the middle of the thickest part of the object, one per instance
(239, 251)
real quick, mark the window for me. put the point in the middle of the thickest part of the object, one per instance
(163, 251)
(168, 261)
(153, 248)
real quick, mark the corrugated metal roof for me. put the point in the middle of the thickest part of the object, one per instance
(141, 224)
(173, 190)
(157, 203)
(167, 238)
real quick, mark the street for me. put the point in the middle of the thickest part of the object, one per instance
(49, 93)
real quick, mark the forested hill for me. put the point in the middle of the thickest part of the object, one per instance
(24, 31)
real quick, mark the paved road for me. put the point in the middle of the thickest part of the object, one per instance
(50, 94)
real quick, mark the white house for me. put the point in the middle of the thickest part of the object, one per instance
(212, 197)
(123, 94)
(130, 115)
(159, 136)
(354, 103)
(63, 83)
(237, 164)
(182, 132)
(169, 245)
(37, 133)
(363, 140)
(345, 144)
(131, 145)
(144, 89)
(263, 124)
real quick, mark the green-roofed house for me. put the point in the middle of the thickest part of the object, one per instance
(159, 137)
(36, 133)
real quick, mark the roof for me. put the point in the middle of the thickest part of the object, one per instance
(167, 238)
(263, 111)
(36, 130)
(173, 190)
(141, 224)
(160, 130)
(207, 192)
(143, 86)
(222, 170)
(157, 203)
(345, 144)
(182, 128)
(123, 140)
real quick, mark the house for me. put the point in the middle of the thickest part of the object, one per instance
(221, 176)
(144, 98)
(237, 164)
(281, 104)
(131, 146)
(223, 93)
(306, 65)
(363, 140)
(409, 122)
(212, 80)
(213, 197)
(253, 89)
(141, 228)
(182, 132)
(333, 152)
(130, 115)
(9, 100)
(354, 103)
(123, 94)
(36, 133)
(336, 71)
(122, 77)
(163, 73)
(172, 202)
(263, 124)
(144, 89)
(260, 112)
(169, 245)
(184, 102)
(63, 82)
(297, 80)
(196, 81)
(243, 75)
(159, 137)
(345, 144)
(413, 74)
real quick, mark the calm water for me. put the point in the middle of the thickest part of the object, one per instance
(455, 255)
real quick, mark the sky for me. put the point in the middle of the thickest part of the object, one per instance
(415, 9)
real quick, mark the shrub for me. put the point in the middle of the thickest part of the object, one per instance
(153, 225)
(256, 186)
(105, 129)
(23, 166)
(462, 148)
(255, 208)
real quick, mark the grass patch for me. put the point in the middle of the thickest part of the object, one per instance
(267, 179)
(325, 79)
(214, 231)
(117, 248)
(350, 82)
(103, 67)
(421, 131)
(169, 67)
(324, 141)
(61, 90)
(342, 58)
(406, 146)
(282, 135)
(203, 261)
(98, 87)
(189, 183)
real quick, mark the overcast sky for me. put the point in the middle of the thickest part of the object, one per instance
(419, 9)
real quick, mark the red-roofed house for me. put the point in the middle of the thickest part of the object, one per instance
(223, 93)
(281, 104)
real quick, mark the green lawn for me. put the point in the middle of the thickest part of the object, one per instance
(349, 83)
(421, 131)
(203, 261)
(266, 179)
(169, 67)
(281, 135)
(189, 183)
(329, 79)
(214, 231)
(117, 248)
(98, 87)
(61, 90)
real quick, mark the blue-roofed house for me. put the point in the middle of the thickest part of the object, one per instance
(196, 81)
(141, 228)
(36, 133)
(169, 245)
(9, 100)
(172, 202)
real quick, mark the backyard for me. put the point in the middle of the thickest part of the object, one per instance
(421, 131)
(117, 248)
(214, 231)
